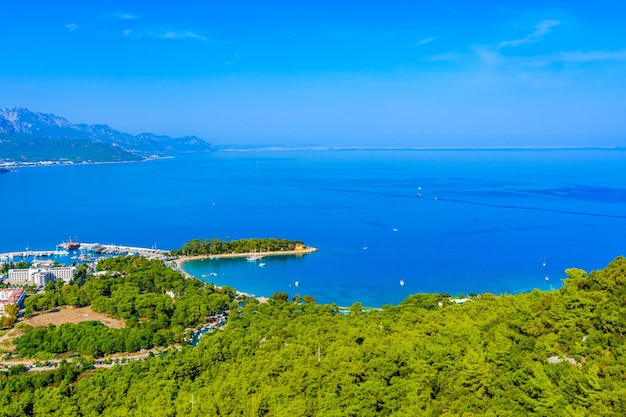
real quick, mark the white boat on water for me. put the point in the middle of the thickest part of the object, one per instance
(253, 257)
(262, 264)
(402, 283)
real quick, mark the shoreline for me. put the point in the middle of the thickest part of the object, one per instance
(181, 260)
(13, 165)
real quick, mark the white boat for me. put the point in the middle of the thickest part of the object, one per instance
(402, 283)
(253, 257)
(262, 264)
(296, 283)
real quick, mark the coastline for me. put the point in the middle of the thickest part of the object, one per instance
(15, 164)
(180, 261)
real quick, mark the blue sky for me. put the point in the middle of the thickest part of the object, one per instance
(395, 73)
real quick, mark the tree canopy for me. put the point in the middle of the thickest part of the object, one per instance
(156, 302)
(558, 353)
(218, 247)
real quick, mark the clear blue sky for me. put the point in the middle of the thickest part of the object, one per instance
(403, 73)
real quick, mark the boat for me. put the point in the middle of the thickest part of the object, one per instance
(98, 248)
(296, 283)
(253, 257)
(71, 245)
(402, 283)
(262, 264)
(84, 257)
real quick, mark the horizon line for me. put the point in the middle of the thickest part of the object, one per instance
(250, 148)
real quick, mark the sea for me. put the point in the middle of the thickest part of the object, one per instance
(387, 223)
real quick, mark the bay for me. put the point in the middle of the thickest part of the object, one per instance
(486, 220)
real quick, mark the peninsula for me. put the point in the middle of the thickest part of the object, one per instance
(253, 249)
(182, 259)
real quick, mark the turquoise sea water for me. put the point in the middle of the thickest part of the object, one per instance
(486, 220)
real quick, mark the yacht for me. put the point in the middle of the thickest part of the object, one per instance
(253, 257)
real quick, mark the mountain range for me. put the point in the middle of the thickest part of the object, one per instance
(27, 136)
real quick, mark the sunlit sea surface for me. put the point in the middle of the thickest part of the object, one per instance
(448, 221)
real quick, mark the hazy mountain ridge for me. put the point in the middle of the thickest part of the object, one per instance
(17, 125)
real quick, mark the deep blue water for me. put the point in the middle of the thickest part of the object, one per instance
(485, 221)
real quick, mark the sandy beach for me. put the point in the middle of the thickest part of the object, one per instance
(181, 260)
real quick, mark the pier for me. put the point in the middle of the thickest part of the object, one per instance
(87, 247)
(124, 250)
(25, 254)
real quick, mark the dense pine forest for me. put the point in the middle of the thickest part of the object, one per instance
(219, 247)
(558, 353)
(157, 304)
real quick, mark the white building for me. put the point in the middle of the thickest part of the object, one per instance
(40, 276)
(19, 276)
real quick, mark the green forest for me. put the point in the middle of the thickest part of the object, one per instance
(219, 247)
(557, 353)
(156, 302)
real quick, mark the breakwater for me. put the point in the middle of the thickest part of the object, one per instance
(63, 249)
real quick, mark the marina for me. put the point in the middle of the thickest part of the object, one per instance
(86, 252)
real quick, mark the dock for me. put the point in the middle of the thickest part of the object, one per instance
(124, 250)
(87, 247)
(26, 253)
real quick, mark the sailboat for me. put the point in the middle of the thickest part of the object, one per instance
(253, 257)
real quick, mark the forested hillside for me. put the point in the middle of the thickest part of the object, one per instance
(555, 353)
(155, 301)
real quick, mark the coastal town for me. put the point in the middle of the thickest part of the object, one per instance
(44, 266)
(34, 272)
(28, 271)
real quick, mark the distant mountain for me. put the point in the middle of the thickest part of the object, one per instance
(32, 136)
